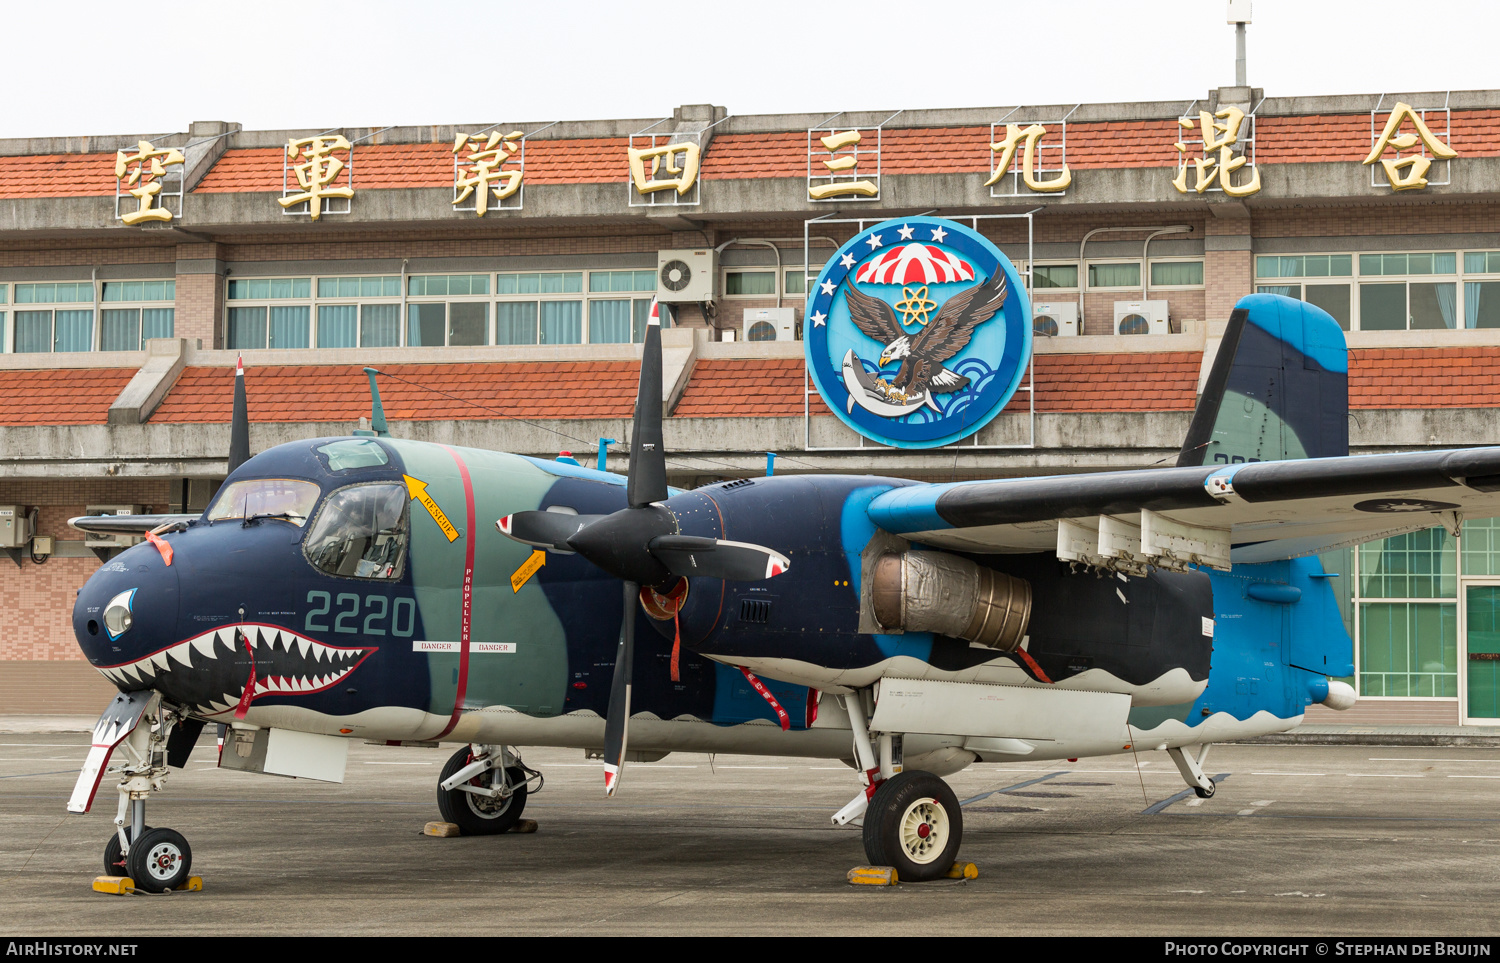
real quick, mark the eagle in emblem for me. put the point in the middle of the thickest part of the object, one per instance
(922, 354)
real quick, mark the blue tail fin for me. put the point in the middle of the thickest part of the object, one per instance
(1279, 387)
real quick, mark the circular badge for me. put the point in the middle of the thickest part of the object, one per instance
(917, 332)
(1397, 505)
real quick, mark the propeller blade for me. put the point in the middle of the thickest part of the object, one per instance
(689, 555)
(545, 529)
(239, 425)
(617, 722)
(648, 458)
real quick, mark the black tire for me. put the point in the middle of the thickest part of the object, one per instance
(900, 811)
(476, 815)
(114, 857)
(160, 861)
(1205, 793)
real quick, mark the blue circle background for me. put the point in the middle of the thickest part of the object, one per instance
(1003, 342)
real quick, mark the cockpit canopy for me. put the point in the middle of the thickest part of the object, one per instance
(361, 532)
(287, 499)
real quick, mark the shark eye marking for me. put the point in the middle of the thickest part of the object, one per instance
(208, 672)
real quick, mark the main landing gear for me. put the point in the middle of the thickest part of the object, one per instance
(482, 789)
(1192, 770)
(911, 819)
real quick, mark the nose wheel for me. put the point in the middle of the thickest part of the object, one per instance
(482, 790)
(914, 823)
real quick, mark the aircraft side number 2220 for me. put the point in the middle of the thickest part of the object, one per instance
(345, 608)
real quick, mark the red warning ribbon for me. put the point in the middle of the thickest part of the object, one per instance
(759, 686)
(1026, 657)
(161, 546)
(676, 641)
(249, 693)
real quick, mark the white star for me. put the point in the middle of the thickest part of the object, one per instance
(847, 261)
(905, 231)
(828, 287)
(873, 240)
(818, 318)
(938, 234)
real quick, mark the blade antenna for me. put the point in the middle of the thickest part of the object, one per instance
(377, 410)
(239, 425)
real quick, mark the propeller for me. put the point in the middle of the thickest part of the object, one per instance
(641, 544)
(239, 425)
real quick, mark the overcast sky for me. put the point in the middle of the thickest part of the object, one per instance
(90, 67)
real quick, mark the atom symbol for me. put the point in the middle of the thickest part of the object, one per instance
(915, 306)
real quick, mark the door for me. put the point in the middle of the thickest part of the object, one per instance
(1481, 662)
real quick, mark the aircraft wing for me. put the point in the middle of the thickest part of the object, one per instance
(1268, 510)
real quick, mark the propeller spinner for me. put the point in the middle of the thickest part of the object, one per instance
(641, 544)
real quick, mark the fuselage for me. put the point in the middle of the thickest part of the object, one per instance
(359, 587)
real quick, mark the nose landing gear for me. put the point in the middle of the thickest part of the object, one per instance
(482, 789)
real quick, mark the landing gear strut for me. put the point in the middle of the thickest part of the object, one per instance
(1192, 771)
(482, 789)
(911, 819)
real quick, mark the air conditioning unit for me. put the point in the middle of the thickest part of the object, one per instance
(686, 276)
(1054, 319)
(15, 526)
(1141, 317)
(769, 324)
(91, 540)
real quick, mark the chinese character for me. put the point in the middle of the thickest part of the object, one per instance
(1418, 163)
(1014, 134)
(483, 170)
(317, 171)
(841, 165)
(142, 179)
(1220, 138)
(686, 175)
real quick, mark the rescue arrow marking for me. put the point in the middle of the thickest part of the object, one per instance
(528, 569)
(417, 489)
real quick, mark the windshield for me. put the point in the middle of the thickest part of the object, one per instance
(283, 498)
(361, 532)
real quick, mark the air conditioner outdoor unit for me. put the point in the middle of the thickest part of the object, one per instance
(686, 276)
(769, 324)
(1141, 317)
(91, 540)
(1054, 319)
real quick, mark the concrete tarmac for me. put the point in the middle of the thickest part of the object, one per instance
(1305, 840)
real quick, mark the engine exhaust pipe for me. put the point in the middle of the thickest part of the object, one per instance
(938, 592)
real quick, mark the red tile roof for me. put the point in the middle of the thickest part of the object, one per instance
(57, 175)
(67, 396)
(1346, 137)
(460, 392)
(772, 387)
(1424, 377)
(377, 166)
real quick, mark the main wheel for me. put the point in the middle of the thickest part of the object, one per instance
(160, 861)
(477, 815)
(914, 823)
(114, 857)
(1205, 793)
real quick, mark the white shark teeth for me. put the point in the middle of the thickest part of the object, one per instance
(304, 645)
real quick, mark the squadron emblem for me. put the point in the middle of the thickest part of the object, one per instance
(940, 303)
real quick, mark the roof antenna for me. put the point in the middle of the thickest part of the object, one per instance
(377, 410)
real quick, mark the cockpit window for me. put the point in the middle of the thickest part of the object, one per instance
(361, 532)
(286, 499)
(354, 453)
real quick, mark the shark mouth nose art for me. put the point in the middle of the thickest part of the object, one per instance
(209, 672)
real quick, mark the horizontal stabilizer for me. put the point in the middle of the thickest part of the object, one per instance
(127, 524)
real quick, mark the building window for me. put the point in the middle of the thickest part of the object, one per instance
(536, 307)
(346, 316)
(1305, 266)
(272, 324)
(1177, 274)
(1056, 276)
(796, 281)
(1121, 274)
(5, 344)
(131, 313)
(750, 284)
(54, 329)
(459, 319)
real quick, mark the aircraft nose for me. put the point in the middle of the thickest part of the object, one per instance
(126, 614)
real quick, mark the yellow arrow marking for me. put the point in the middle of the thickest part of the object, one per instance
(528, 568)
(417, 489)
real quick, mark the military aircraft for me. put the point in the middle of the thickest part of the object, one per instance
(390, 591)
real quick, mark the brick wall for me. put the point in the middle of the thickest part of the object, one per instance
(200, 305)
(38, 599)
(1228, 276)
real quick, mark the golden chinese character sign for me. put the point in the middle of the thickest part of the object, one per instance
(316, 174)
(141, 175)
(663, 170)
(1033, 161)
(834, 172)
(1222, 132)
(482, 174)
(1406, 173)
